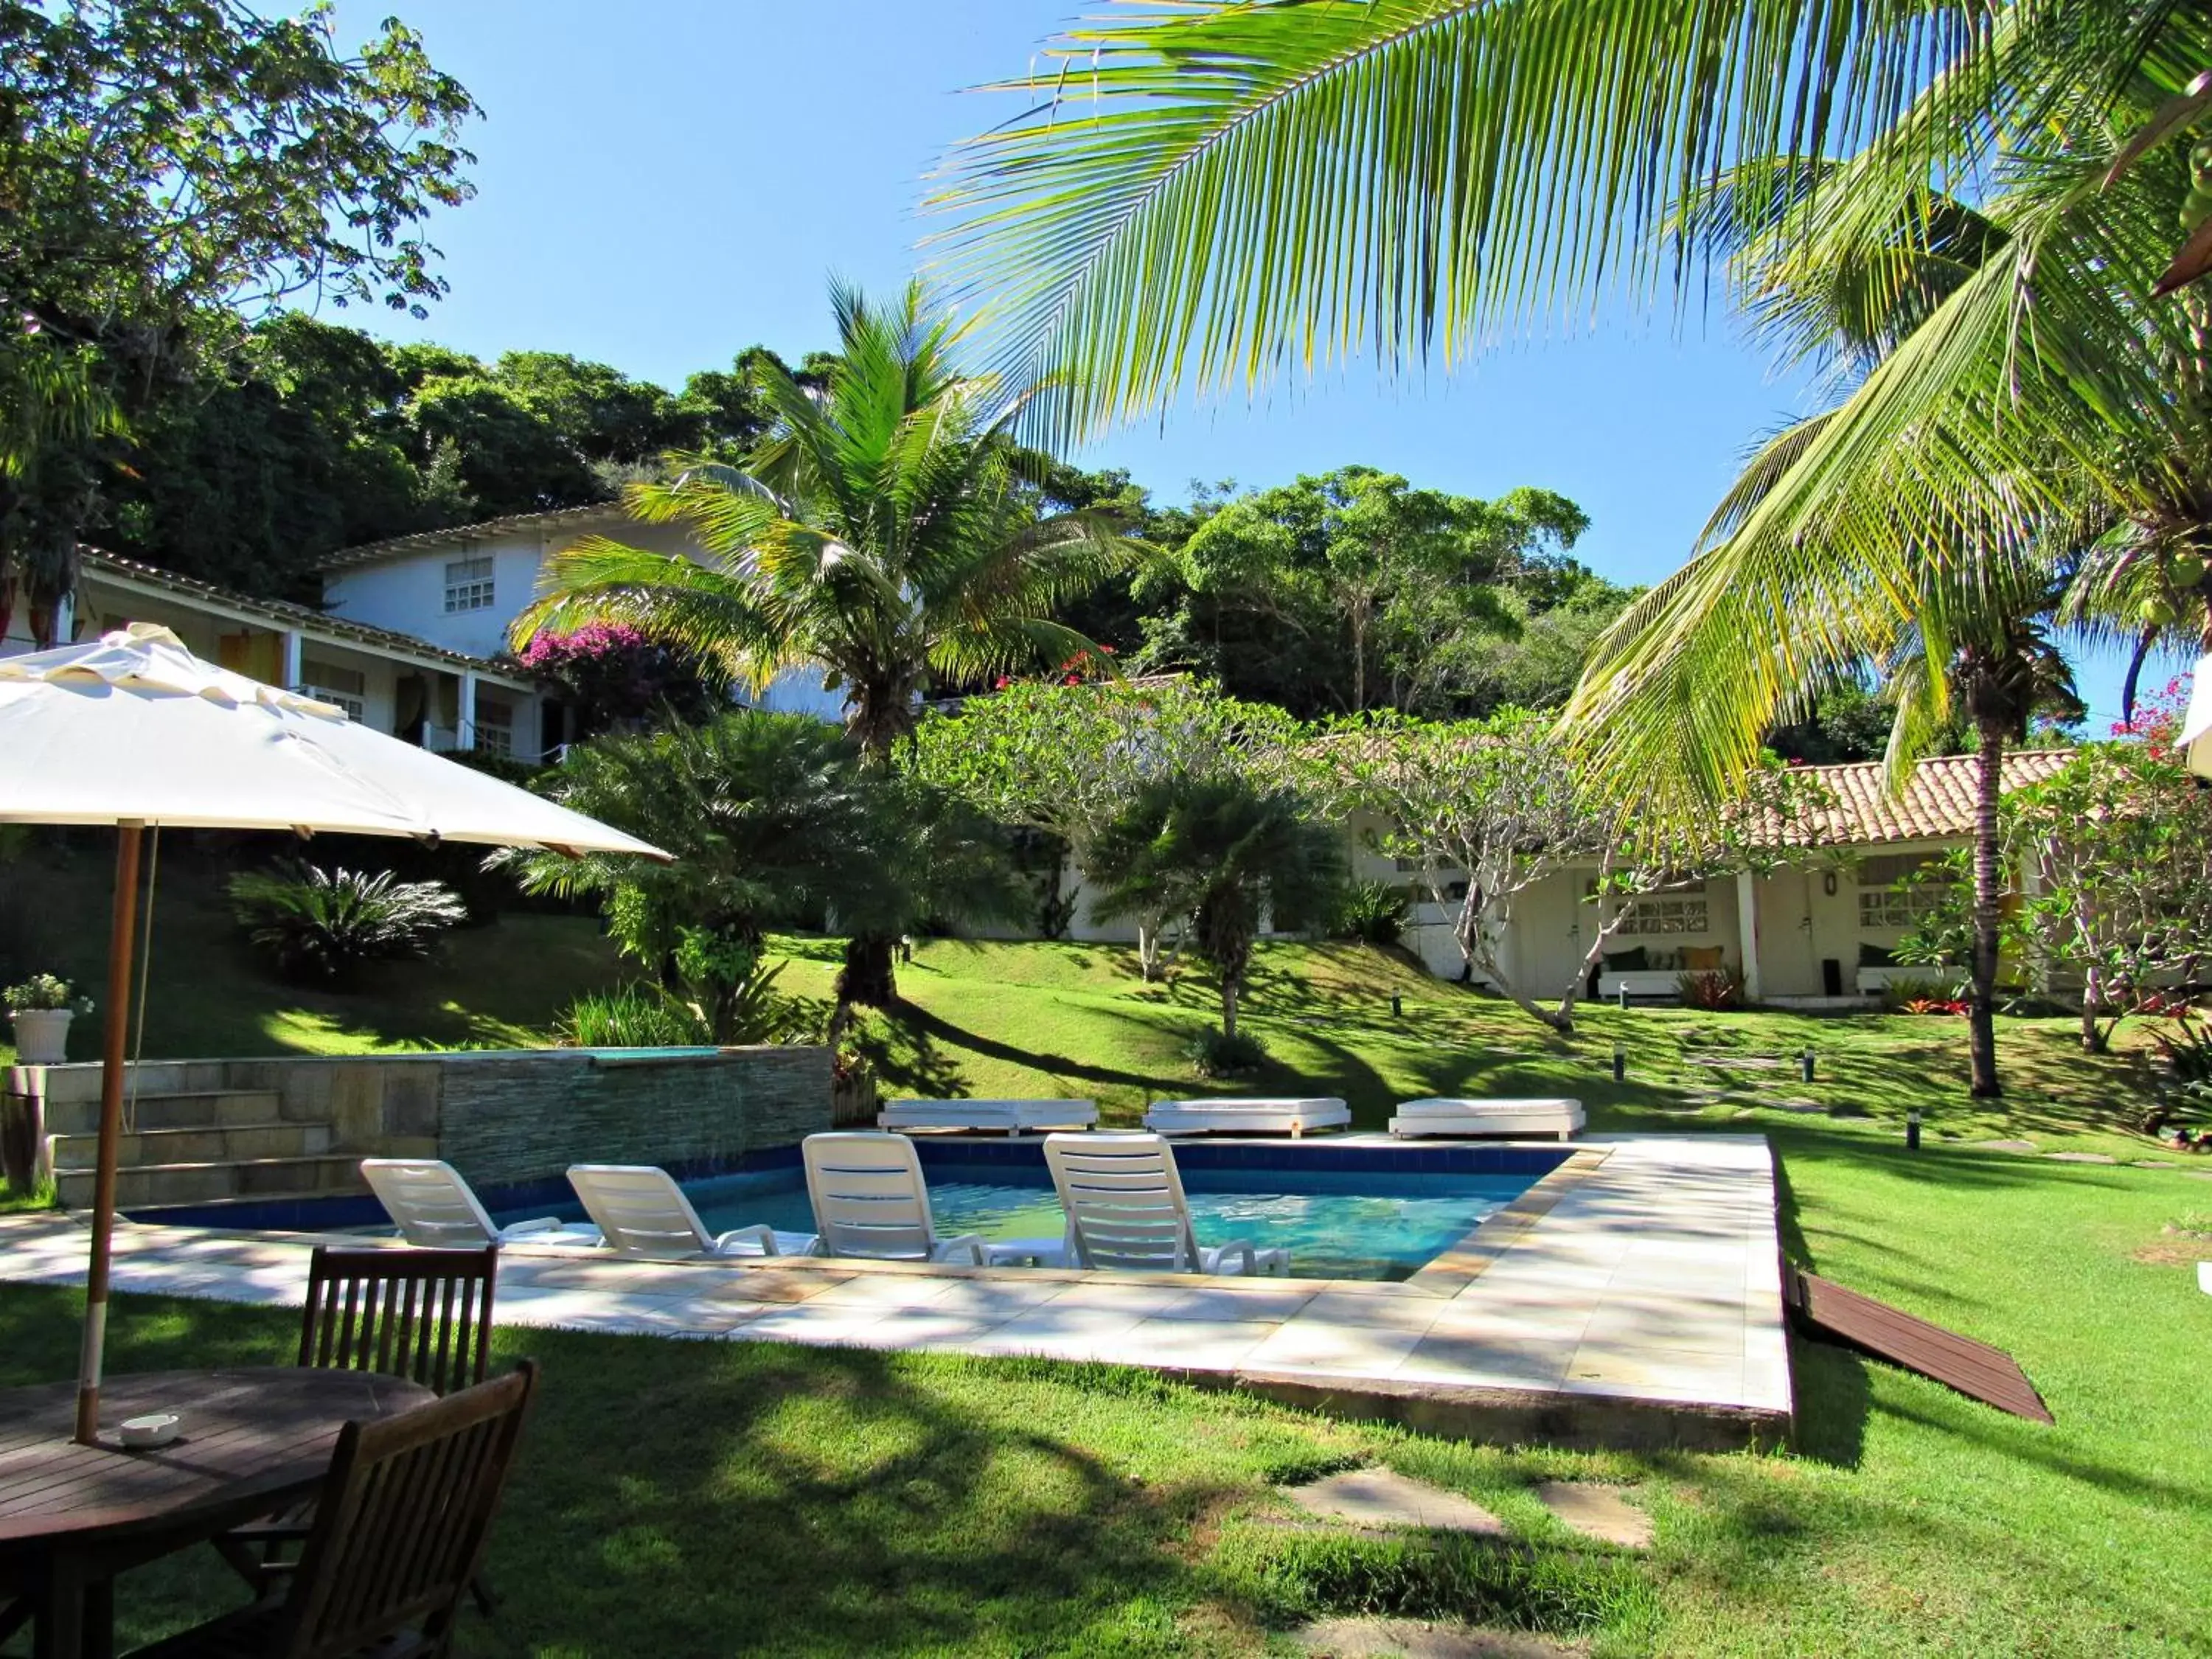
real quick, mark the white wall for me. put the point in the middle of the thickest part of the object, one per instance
(407, 594)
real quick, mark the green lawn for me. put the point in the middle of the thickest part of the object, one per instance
(777, 1500)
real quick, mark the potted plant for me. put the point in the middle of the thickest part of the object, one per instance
(41, 1009)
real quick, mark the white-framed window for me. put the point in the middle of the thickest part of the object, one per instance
(1884, 905)
(468, 584)
(1682, 909)
(326, 682)
(494, 727)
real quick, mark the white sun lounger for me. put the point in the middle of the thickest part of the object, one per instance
(434, 1208)
(1285, 1115)
(1010, 1117)
(641, 1212)
(1464, 1118)
(870, 1201)
(1125, 1209)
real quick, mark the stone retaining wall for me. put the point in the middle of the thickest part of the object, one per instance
(500, 1118)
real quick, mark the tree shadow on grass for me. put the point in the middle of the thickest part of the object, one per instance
(679, 1498)
(927, 1026)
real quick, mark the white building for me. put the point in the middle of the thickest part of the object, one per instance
(412, 635)
(461, 589)
(392, 679)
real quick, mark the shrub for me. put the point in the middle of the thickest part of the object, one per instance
(1933, 995)
(1373, 913)
(40, 993)
(322, 926)
(638, 1016)
(1714, 989)
(1212, 1053)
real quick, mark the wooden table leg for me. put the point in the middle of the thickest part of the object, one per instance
(76, 1616)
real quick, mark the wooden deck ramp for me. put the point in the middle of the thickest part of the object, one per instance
(1976, 1369)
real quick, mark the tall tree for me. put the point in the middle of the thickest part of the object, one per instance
(1212, 192)
(1219, 853)
(1352, 589)
(171, 167)
(877, 533)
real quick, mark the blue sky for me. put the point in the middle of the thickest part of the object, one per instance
(662, 184)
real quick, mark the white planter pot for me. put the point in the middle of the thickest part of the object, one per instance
(42, 1036)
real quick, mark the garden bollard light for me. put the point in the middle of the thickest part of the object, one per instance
(1912, 1130)
(1397, 1006)
(1620, 1064)
(1805, 1065)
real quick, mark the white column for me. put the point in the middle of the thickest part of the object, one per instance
(467, 737)
(293, 675)
(1746, 923)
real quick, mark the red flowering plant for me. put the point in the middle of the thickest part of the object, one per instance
(616, 677)
(2157, 719)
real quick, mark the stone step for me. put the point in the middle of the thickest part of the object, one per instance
(198, 1143)
(225, 1108)
(155, 1186)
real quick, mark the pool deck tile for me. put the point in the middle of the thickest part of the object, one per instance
(1636, 1290)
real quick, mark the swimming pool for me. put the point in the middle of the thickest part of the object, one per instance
(1336, 1223)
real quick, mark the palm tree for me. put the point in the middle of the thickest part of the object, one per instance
(1971, 638)
(877, 533)
(1208, 193)
(776, 821)
(1219, 853)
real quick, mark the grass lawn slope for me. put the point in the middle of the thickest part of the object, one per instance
(778, 1500)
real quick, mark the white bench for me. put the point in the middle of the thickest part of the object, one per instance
(1009, 1117)
(1640, 982)
(1283, 1115)
(1463, 1117)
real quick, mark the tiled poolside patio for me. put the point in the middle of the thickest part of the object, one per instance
(1632, 1298)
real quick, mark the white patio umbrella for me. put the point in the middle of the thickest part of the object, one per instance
(134, 730)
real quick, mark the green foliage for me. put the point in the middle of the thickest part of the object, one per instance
(322, 926)
(1216, 852)
(636, 1015)
(1065, 760)
(173, 166)
(1215, 1053)
(877, 531)
(1353, 589)
(1372, 913)
(2120, 839)
(1940, 891)
(41, 993)
(774, 821)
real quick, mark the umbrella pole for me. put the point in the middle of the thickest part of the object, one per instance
(120, 929)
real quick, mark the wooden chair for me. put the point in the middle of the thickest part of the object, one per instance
(423, 1314)
(431, 1477)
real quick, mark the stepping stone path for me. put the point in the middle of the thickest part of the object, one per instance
(1597, 1511)
(2150, 1163)
(2003, 1146)
(1371, 1638)
(2080, 1157)
(1379, 1497)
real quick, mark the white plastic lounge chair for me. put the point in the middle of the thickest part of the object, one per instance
(1125, 1209)
(641, 1212)
(434, 1207)
(1285, 1116)
(1007, 1116)
(871, 1201)
(1462, 1118)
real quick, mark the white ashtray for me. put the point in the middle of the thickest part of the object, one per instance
(154, 1428)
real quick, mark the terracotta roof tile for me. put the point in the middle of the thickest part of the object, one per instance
(1937, 804)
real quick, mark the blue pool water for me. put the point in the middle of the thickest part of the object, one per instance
(1335, 1223)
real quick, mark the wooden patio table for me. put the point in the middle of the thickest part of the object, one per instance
(251, 1440)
